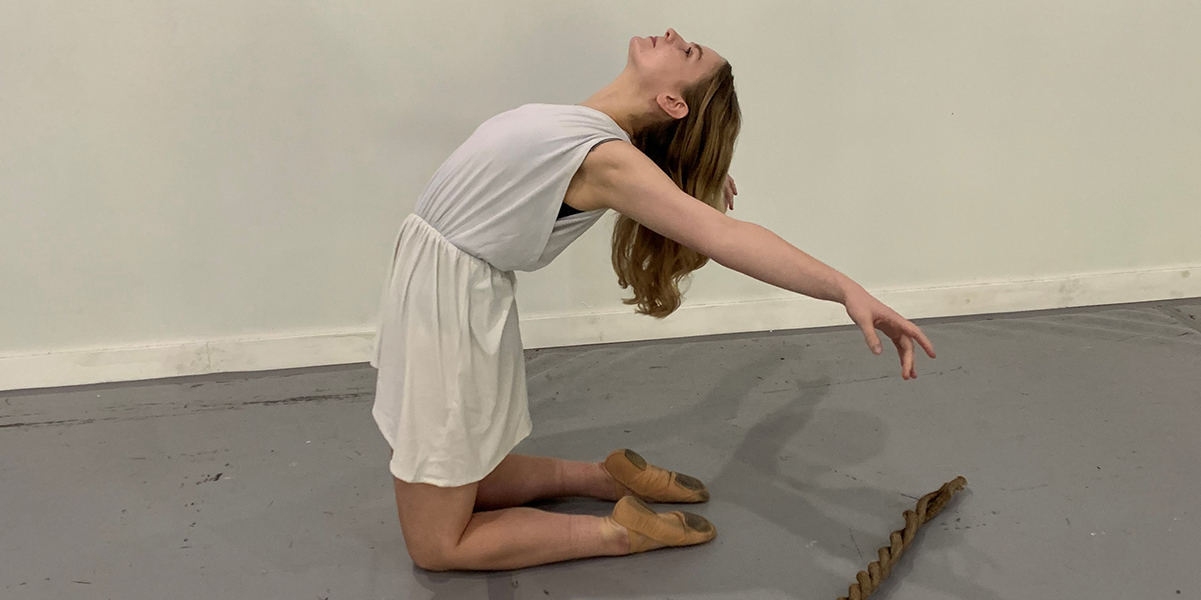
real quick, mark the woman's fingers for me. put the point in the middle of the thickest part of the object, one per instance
(869, 335)
(908, 342)
(901, 332)
(904, 335)
(905, 351)
(916, 333)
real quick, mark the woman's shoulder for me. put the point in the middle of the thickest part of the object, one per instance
(569, 117)
(523, 118)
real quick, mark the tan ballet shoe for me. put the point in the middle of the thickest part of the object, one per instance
(652, 483)
(649, 530)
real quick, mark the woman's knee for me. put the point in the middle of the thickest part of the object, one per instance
(433, 556)
(433, 520)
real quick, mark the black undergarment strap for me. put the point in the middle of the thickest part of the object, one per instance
(567, 211)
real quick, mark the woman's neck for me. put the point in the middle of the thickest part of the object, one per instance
(623, 104)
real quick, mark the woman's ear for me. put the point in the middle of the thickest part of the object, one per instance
(673, 105)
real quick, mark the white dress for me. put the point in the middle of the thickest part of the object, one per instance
(451, 394)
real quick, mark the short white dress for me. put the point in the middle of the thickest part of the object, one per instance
(450, 398)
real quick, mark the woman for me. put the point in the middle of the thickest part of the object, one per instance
(451, 395)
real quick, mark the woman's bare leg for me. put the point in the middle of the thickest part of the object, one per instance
(521, 479)
(442, 532)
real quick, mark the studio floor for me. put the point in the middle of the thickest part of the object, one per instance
(1079, 433)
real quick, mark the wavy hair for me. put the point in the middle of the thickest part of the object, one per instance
(695, 152)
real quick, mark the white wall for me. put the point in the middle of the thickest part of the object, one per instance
(196, 187)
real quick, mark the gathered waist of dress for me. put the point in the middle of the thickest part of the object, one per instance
(415, 224)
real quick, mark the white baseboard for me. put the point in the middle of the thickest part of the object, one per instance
(105, 365)
(352, 346)
(799, 312)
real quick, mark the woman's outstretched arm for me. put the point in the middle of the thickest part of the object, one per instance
(622, 178)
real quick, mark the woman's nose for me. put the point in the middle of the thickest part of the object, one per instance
(671, 35)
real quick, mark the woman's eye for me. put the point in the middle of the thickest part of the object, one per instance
(688, 52)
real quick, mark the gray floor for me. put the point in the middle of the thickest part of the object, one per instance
(1077, 432)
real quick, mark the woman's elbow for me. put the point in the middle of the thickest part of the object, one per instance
(727, 240)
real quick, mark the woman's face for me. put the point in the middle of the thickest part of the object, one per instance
(669, 63)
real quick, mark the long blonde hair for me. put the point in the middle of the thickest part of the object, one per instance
(695, 152)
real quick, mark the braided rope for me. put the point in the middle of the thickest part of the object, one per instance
(928, 507)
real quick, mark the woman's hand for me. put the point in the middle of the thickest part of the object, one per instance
(870, 314)
(730, 191)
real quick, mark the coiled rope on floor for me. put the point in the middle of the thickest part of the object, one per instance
(928, 507)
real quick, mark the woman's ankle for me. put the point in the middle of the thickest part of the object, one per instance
(615, 538)
(608, 488)
(589, 480)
